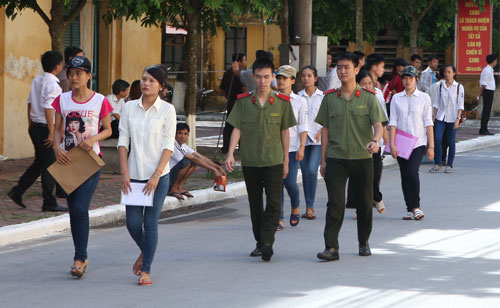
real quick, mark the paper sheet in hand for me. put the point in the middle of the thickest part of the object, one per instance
(137, 197)
(83, 165)
(405, 143)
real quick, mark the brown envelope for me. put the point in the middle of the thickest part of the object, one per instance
(83, 165)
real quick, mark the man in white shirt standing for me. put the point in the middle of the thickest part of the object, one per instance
(487, 91)
(44, 89)
(428, 76)
(117, 100)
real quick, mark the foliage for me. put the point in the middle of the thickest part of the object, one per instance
(337, 19)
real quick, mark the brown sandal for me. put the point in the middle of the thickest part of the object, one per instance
(309, 215)
(78, 271)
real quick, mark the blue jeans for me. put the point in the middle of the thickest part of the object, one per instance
(142, 223)
(440, 127)
(290, 183)
(78, 205)
(309, 166)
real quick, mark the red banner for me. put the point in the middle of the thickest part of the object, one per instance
(474, 26)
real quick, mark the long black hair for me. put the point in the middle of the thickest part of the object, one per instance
(159, 73)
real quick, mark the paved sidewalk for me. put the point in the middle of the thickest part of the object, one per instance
(107, 192)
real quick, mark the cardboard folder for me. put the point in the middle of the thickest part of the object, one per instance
(83, 165)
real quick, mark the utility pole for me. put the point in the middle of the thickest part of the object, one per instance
(303, 33)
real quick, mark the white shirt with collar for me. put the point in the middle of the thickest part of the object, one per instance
(487, 78)
(179, 152)
(447, 102)
(412, 114)
(117, 105)
(300, 110)
(149, 132)
(425, 79)
(381, 100)
(313, 104)
(44, 89)
(333, 79)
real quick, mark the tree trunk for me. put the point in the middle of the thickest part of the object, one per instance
(303, 30)
(359, 25)
(192, 51)
(285, 36)
(413, 35)
(57, 26)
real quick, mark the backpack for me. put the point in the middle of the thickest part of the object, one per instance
(462, 117)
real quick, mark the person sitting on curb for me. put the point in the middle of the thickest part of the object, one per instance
(183, 163)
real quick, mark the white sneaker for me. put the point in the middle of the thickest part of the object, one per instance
(435, 168)
(448, 169)
(408, 216)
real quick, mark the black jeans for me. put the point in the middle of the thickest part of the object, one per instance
(410, 181)
(264, 221)
(360, 175)
(226, 137)
(377, 176)
(485, 115)
(44, 157)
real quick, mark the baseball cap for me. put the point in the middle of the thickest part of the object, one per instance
(400, 61)
(410, 71)
(286, 71)
(81, 63)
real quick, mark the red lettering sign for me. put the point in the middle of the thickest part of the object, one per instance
(473, 42)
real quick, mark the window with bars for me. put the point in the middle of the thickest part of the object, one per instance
(236, 42)
(72, 33)
(173, 50)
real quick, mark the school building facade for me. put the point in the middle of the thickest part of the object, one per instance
(121, 49)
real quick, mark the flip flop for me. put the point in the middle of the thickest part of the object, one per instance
(280, 227)
(176, 194)
(295, 218)
(145, 281)
(187, 194)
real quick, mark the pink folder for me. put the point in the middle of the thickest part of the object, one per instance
(405, 143)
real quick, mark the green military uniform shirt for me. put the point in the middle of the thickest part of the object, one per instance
(261, 126)
(350, 122)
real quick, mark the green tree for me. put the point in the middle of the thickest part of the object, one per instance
(194, 16)
(57, 22)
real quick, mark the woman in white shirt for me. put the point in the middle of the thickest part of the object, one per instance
(147, 129)
(285, 77)
(312, 153)
(448, 106)
(411, 113)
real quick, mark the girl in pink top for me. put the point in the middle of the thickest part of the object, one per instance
(79, 114)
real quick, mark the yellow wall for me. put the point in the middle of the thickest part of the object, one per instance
(125, 49)
(24, 40)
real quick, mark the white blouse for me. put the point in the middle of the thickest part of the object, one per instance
(447, 102)
(412, 114)
(149, 133)
(313, 104)
(299, 106)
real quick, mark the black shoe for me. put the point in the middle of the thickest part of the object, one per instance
(330, 254)
(58, 208)
(486, 133)
(267, 252)
(16, 198)
(256, 252)
(364, 250)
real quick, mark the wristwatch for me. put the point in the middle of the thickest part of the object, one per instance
(373, 140)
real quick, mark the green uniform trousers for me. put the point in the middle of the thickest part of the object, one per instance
(264, 221)
(360, 175)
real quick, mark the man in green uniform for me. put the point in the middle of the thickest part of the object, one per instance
(352, 126)
(261, 120)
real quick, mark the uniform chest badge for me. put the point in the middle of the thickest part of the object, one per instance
(253, 99)
(339, 93)
(358, 93)
(271, 100)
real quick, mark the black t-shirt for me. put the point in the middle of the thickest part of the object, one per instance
(231, 90)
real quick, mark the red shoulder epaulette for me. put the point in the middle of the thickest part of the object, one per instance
(329, 91)
(283, 96)
(241, 95)
(373, 92)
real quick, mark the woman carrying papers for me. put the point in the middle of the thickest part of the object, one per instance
(81, 111)
(411, 118)
(147, 129)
